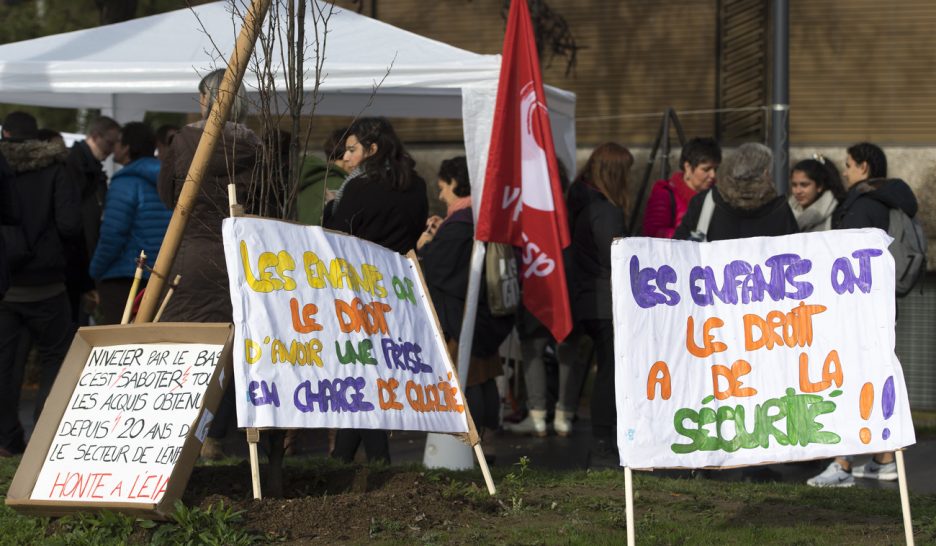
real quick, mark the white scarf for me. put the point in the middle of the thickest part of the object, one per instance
(818, 215)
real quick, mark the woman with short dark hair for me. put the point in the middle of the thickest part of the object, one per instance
(445, 254)
(669, 198)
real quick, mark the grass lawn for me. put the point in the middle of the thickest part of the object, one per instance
(330, 503)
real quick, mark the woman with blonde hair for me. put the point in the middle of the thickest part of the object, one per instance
(597, 201)
(203, 294)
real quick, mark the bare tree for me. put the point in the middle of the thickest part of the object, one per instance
(285, 75)
(552, 31)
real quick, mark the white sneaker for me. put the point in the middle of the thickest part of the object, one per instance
(534, 424)
(563, 422)
(876, 471)
(833, 476)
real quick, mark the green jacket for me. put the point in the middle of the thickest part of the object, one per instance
(316, 175)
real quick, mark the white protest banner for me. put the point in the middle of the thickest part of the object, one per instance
(334, 331)
(126, 422)
(756, 350)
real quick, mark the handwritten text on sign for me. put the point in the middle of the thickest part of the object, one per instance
(126, 423)
(756, 350)
(333, 331)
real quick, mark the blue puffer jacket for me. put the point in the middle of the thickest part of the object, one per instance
(134, 220)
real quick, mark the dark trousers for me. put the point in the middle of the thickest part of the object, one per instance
(603, 406)
(227, 410)
(50, 326)
(376, 444)
(484, 404)
(113, 294)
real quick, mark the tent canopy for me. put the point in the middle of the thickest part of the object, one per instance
(155, 63)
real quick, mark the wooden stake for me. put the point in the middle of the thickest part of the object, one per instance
(253, 437)
(479, 453)
(137, 277)
(165, 302)
(209, 139)
(629, 504)
(235, 209)
(904, 497)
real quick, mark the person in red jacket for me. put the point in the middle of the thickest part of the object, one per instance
(669, 199)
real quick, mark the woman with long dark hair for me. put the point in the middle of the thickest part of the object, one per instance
(384, 201)
(597, 202)
(816, 190)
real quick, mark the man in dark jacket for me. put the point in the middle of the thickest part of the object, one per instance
(36, 300)
(867, 204)
(746, 202)
(9, 218)
(84, 168)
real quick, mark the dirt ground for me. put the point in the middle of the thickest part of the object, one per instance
(338, 504)
(342, 505)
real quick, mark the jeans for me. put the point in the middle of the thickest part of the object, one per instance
(573, 367)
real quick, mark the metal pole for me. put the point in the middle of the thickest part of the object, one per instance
(664, 163)
(780, 109)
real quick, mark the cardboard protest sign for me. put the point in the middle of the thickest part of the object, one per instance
(334, 331)
(756, 350)
(125, 420)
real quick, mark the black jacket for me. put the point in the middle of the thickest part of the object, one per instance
(446, 262)
(372, 211)
(9, 216)
(86, 172)
(203, 294)
(594, 223)
(868, 204)
(771, 218)
(49, 204)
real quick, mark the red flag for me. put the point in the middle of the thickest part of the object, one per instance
(522, 200)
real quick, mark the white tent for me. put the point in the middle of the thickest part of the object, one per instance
(154, 64)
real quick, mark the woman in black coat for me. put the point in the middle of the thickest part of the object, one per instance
(597, 202)
(445, 254)
(746, 202)
(384, 201)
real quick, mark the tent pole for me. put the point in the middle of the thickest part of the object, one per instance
(466, 336)
(214, 124)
